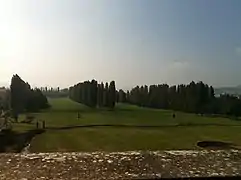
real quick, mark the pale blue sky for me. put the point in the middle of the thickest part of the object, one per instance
(62, 42)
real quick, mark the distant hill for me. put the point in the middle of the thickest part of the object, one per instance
(229, 90)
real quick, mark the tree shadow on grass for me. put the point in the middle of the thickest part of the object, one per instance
(11, 141)
(137, 126)
(68, 111)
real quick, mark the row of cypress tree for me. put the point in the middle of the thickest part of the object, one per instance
(194, 97)
(93, 94)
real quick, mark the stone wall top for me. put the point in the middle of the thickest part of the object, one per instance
(120, 165)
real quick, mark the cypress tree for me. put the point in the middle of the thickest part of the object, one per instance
(93, 89)
(112, 95)
(105, 95)
(122, 96)
(23, 98)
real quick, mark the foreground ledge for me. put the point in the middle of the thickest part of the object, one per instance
(120, 165)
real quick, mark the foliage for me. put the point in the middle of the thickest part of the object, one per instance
(194, 97)
(55, 93)
(23, 98)
(112, 95)
(4, 98)
(92, 94)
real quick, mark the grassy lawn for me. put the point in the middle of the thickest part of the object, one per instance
(64, 114)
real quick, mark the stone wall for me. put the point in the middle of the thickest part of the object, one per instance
(120, 165)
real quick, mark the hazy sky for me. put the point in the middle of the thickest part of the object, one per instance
(62, 42)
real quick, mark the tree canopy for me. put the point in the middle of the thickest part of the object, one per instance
(24, 98)
(93, 94)
(194, 98)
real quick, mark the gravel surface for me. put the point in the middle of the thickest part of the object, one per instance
(120, 165)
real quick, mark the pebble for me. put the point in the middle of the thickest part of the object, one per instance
(119, 165)
(109, 161)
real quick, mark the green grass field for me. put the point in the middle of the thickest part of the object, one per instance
(166, 135)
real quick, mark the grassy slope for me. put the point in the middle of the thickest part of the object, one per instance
(64, 113)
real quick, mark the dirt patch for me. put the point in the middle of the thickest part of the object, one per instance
(215, 145)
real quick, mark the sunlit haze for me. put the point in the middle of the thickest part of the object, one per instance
(62, 42)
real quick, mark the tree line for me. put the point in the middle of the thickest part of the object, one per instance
(55, 92)
(24, 98)
(194, 98)
(94, 94)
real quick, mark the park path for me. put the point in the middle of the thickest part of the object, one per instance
(120, 165)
